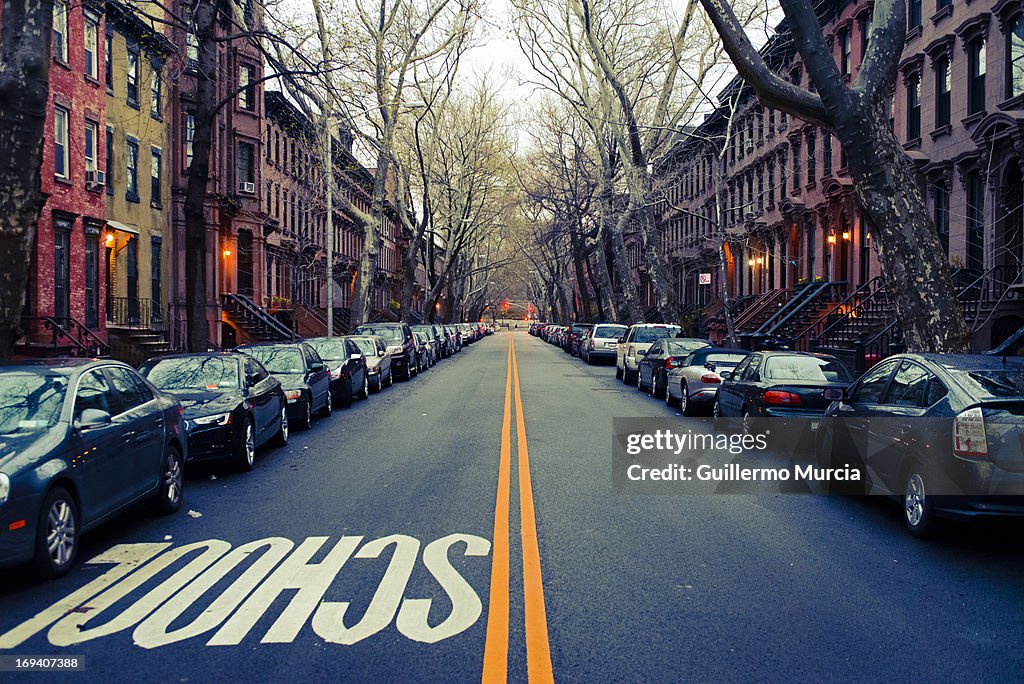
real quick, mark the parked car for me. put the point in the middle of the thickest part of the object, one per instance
(81, 441)
(401, 346)
(692, 383)
(378, 361)
(781, 384)
(654, 364)
(638, 339)
(303, 375)
(232, 405)
(456, 338)
(573, 338)
(425, 354)
(433, 341)
(917, 424)
(602, 342)
(347, 367)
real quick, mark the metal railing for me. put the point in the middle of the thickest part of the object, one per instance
(58, 333)
(824, 293)
(251, 314)
(144, 314)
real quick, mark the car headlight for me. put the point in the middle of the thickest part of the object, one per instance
(293, 395)
(5, 487)
(215, 419)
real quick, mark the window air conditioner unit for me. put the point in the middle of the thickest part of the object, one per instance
(95, 178)
(247, 187)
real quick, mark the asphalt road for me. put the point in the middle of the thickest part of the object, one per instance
(319, 564)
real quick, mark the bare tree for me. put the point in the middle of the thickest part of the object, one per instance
(26, 27)
(885, 179)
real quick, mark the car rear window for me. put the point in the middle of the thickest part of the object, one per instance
(724, 359)
(685, 346)
(387, 332)
(615, 331)
(990, 382)
(806, 368)
(653, 334)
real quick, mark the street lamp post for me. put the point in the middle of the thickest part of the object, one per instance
(329, 176)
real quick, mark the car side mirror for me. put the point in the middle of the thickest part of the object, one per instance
(726, 375)
(92, 418)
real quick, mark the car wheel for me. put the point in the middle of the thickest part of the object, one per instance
(281, 438)
(618, 372)
(639, 380)
(56, 534)
(306, 419)
(685, 407)
(748, 422)
(245, 451)
(328, 408)
(169, 494)
(391, 378)
(716, 410)
(365, 393)
(627, 377)
(918, 511)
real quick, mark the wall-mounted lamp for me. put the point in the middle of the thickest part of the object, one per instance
(846, 235)
(108, 239)
(831, 239)
(227, 253)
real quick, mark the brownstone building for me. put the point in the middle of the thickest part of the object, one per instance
(788, 210)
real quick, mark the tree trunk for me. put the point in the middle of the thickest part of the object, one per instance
(887, 186)
(27, 26)
(199, 178)
(600, 290)
(581, 281)
(410, 261)
(622, 270)
(366, 278)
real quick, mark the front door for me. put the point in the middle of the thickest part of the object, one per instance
(132, 280)
(245, 262)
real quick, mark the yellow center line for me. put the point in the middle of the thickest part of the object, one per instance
(496, 644)
(538, 649)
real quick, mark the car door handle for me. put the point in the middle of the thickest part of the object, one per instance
(159, 422)
(129, 436)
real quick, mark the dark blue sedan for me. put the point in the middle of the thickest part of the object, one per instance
(943, 433)
(80, 441)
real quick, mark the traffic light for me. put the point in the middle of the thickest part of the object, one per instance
(504, 305)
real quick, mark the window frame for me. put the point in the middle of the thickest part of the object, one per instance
(132, 173)
(61, 143)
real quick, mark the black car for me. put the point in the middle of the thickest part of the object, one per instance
(941, 432)
(424, 351)
(80, 441)
(434, 341)
(572, 344)
(401, 346)
(232, 404)
(661, 357)
(781, 384)
(303, 375)
(347, 366)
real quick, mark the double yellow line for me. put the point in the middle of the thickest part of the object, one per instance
(538, 651)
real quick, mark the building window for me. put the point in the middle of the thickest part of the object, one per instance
(61, 163)
(91, 39)
(154, 177)
(108, 56)
(796, 166)
(192, 48)
(913, 14)
(108, 162)
(190, 135)
(246, 171)
(132, 74)
(246, 87)
(865, 35)
(155, 91)
(976, 76)
(826, 154)
(60, 30)
(943, 88)
(812, 161)
(771, 182)
(92, 278)
(132, 191)
(975, 221)
(913, 86)
(61, 268)
(942, 4)
(92, 134)
(1015, 53)
(845, 60)
(940, 215)
(782, 175)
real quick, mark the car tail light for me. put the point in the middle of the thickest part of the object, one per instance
(969, 434)
(710, 379)
(671, 362)
(780, 398)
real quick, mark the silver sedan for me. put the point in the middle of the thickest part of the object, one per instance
(694, 383)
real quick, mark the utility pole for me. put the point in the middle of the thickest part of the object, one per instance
(329, 176)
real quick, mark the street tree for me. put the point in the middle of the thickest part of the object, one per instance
(857, 113)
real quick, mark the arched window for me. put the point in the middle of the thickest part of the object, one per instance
(1015, 53)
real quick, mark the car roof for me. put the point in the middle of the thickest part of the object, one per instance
(965, 361)
(654, 325)
(267, 345)
(227, 353)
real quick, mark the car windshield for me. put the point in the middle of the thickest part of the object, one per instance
(194, 372)
(368, 347)
(654, 334)
(805, 368)
(685, 346)
(389, 334)
(615, 331)
(724, 359)
(1002, 382)
(30, 401)
(283, 360)
(330, 350)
